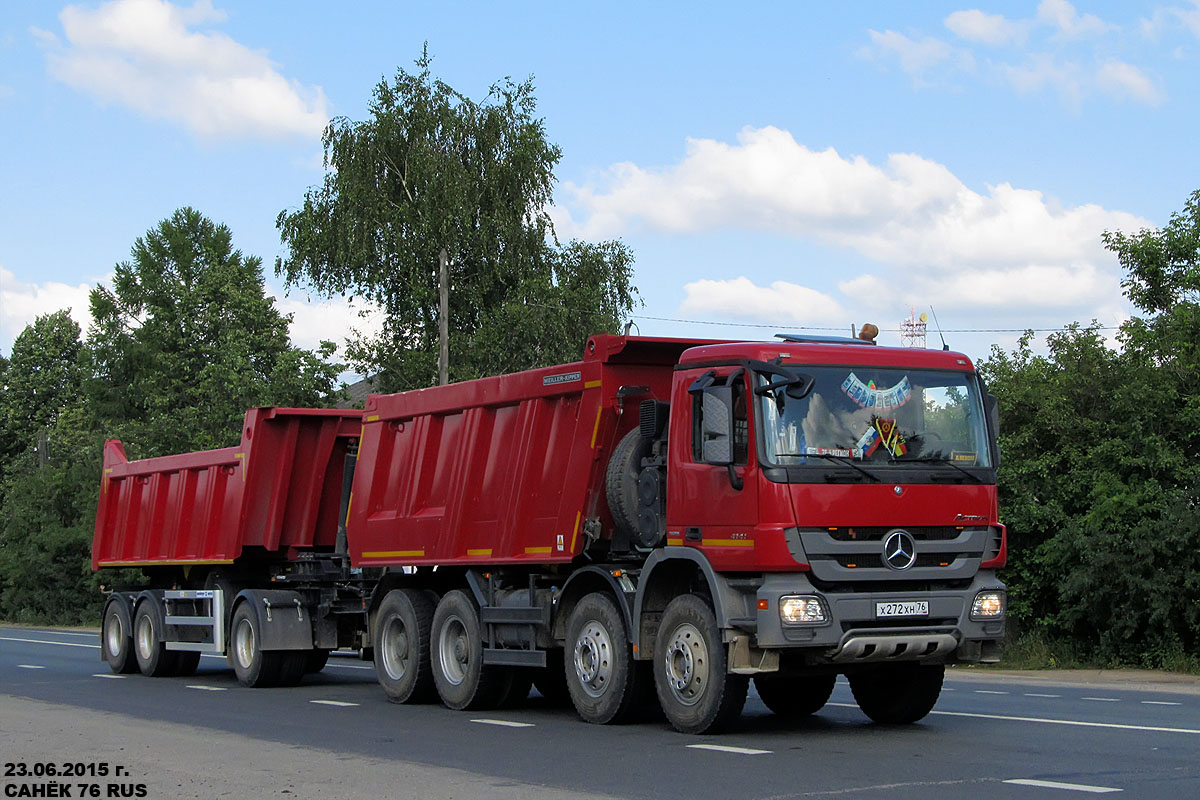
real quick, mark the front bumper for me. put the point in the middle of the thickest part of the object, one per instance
(853, 633)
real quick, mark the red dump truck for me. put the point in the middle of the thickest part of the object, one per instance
(665, 517)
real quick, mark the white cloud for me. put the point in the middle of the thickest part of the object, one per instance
(932, 233)
(991, 29)
(915, 56)
(1070, 24)
(332, 320)
(1125, 80)
(148, 56)
(740, 297)
(21, 303)
(1041, 71)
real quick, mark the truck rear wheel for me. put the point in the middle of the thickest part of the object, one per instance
(315, 661)
(794, 696)
(897, 694)
(551, 680)
(253, 666)
(599, 665)
(116, 638)
(463, 681)
(153, 658)
(696, 693)
(402, 650)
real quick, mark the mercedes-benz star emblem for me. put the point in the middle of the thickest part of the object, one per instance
(899, 550)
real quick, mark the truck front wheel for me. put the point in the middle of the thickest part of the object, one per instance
(153, 658)
(599, 665)
(897, 694)
(253, 666)
(463, 681)
(116, 637)
(793, 697)
(695, 691)
(402, 632)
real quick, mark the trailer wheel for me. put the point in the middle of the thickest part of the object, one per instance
(516, 688)
(599, 665)
(897, 694)
(463, 681)
(621, 480)
(315, 661)
(694, 690)
(153, 658)
(402, 650)
(292, 664)
(551, 680)
(253, 667)
(116, 639)
(794, 696)
(186, 662)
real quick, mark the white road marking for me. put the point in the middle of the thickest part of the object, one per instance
(504, 723)
(204, 688)
(1035, 694)
(42, 641)
(1160, 703)
(349, 666)
(988, 691)
(332, 703)
(30, 666)
(724, 748)
(108, 675)
(1075, 787)
(1103, 699)
(1047, 721)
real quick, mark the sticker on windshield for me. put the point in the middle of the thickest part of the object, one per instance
(883, 432)
(841, 452)
(868, 395)
(963, 456)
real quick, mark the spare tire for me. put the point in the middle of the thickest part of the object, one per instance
(621, 480)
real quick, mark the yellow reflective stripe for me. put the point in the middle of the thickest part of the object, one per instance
(481, 552)
(591, 384)
(575, 534)
(162, 563)
(596, 428)
(394, 554)
(538, 551)
(727, 542)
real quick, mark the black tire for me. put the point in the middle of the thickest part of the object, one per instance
(599, 663)
(253, 666)
(551, 680)
(694, 690)
(456, 657)
(154, 660)
(186, 662)
(402, 646)
(516, 689)
(897, 694)
(794, 696)
(620, 480)
(292, 664)
(116, 638)
(315, 661)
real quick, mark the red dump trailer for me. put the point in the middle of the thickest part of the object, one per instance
(671, 514)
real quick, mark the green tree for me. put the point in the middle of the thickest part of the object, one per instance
(186, 340)
(41, 379)
(431, 171)
(1100, 484)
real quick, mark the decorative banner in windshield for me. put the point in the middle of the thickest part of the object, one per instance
(866, 395)
(882, 431)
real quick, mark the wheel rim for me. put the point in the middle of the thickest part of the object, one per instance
(243, 643)
(395, 648)
(686, 661)
(145, 637)
(593, 659)
(114, 633)
(454, 650)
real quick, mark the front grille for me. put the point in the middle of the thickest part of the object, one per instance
(876, 533)
(923, 560)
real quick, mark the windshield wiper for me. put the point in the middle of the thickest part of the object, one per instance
(936, 460)
(839, 459)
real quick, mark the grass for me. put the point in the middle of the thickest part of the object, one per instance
(1037, 650)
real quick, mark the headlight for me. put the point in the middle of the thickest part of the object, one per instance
(988, 605)
(802, 610)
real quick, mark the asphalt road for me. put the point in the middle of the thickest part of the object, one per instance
(991, 736)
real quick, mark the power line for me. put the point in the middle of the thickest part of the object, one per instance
(791, 326)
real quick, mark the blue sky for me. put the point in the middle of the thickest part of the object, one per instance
(771, 166)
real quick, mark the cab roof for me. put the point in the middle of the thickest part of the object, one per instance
(825, 353)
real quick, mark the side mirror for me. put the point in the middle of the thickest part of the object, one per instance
(716, 425)
(992, 409)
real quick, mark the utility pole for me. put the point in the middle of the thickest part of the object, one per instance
(443, 318)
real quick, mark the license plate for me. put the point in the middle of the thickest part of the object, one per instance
(915, 608)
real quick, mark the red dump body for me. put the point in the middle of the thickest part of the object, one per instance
(504, 469)
(278, 491)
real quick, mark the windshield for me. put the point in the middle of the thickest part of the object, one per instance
(877, 415)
